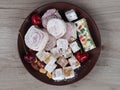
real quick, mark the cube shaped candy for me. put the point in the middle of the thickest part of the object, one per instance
(58, 74)
(50, 60)
(67, 53)
(62, 44)
(74, 46)
(43, 56)
(68, 72)
(50, 67)
(74, 63)
(62, 61)
(56, 52)
(71, 15)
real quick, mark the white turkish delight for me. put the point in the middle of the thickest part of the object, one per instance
(58, 74)
(68, 72)
(50, 67)
(62, 44)
(56, 52)
(51, 60)
(56, 27)
(36, 39)
(67, 53)
(71, 15)
(50, 14)
(74, 63)
(43, 56)
(71, 33)
(46, 57)
(74, 46)
(84, 35)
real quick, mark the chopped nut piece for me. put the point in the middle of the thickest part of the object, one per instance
(71, 15)
(43, 71)
(49, 75)
(35, 60)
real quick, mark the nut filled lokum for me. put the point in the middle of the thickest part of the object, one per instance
(84, 35)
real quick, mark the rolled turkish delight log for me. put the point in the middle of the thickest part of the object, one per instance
(84, 35)
(36, 39)
(49, 14)
(71, 33)
(56, 27)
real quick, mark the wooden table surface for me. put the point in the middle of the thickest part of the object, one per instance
(104, 76)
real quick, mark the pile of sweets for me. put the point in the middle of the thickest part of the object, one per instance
(57, 44)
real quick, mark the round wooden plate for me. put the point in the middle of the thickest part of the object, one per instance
(93, 54)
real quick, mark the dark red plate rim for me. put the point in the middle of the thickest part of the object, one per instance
(94, 54)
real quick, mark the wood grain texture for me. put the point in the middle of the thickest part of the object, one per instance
(104, 76)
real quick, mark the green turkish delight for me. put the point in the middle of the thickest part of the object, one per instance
(84, 35)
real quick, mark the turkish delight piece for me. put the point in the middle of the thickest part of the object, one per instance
(56, 27)
(43, 56)
(49, 14)
(68, 72)
(71, 33)
(50, 67)
(74, 46)
(36, 39)
(62, 61)
(56, 52)
(84, 35)
(51, 60)
(51, 43)
(58, 74)
(74, 63)
(67, 53)
(46, 57)
(62, 44)
(71, 15)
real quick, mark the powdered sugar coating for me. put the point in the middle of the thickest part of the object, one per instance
(49, 14)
